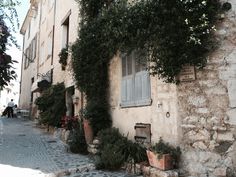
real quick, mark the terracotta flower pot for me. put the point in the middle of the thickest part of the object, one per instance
(163, 162)
(88, 132)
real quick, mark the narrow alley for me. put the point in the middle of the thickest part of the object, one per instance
(27, 151)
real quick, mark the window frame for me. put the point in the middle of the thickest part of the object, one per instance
(34, 50)
(135, 87)
(65, 24)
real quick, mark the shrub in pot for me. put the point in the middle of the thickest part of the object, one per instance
(163, 156)
(117, 150)
(76, 142)
(63, 55)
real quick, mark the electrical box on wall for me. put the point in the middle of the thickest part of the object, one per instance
(142, 133)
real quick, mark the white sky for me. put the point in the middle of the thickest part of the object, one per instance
(15, 53)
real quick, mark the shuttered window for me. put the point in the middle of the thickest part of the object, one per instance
(34, 43)
(135, 86)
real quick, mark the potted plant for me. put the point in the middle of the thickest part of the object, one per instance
(63, 55)
(88, 131)
(163, 156)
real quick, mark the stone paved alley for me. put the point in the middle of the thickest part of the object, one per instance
(27, 151)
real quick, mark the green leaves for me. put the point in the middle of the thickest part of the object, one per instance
(51, 104)
(63, 56)
(172, 33)
(6, 72)
(6, 63)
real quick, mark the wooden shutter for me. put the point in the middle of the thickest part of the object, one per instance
(142, 88)
(135, 86)
(138, 86)
(127, 97)
(127, 84)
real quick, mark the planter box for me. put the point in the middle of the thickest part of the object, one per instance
(88, 132)
(163, 163)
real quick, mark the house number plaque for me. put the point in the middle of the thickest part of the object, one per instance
(187, 74)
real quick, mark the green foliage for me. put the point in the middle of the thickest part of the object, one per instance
(6, 69)
(108, 136)
(117, 149)
(97, 113)
(164, 148)
(77, 142)
(111, 158)
(171, 33)
(9, 15)
(69, 122)
(132, 151)
(63, 55)
(52, 106)
(91, 8)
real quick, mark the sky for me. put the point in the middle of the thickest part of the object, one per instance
(16, 54)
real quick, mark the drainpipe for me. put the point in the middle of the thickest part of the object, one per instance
(53, 31)
(22, 64)
(40, 18)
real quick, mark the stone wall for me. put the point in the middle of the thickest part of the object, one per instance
(207, 108)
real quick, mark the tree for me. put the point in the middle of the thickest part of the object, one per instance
(8, 15)
(6, 69)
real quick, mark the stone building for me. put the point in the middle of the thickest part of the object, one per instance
(30, 55)
(49, 26)
(199, 114)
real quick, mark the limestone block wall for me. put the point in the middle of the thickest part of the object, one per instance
(207, 108)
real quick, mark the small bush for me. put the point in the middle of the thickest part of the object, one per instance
(109, 136)
(132, 150)
(120, 146)
(111, 158)
(77, 142)
(97, 113)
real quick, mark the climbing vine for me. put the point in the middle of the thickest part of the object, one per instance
(51, 105)
(169, 33)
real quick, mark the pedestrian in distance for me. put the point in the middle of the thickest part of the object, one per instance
(10, 106)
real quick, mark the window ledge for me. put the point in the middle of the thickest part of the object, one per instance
(137, 104)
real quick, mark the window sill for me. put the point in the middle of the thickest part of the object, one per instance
(137, 104)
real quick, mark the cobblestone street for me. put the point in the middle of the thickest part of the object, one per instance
(27, 151)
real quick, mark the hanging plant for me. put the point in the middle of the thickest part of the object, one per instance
(63, 56)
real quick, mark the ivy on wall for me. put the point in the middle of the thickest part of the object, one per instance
(52, 106)
(171, 33)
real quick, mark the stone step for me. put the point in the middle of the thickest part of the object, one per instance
(149, 171)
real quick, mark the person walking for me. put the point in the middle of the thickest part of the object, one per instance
(10, 106)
